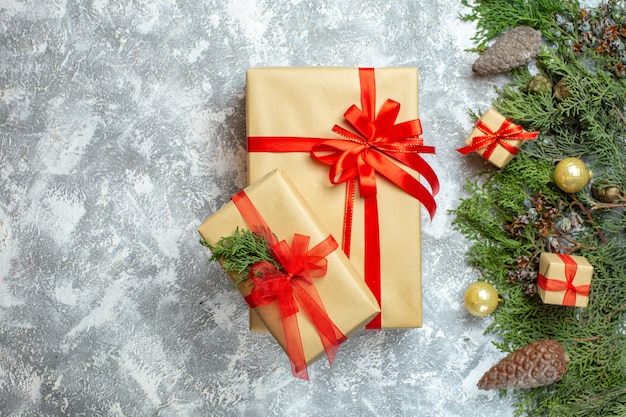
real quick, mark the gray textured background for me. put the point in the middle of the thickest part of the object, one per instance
(122, 126)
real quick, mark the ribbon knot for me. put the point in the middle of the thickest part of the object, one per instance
(298, 261)
(491, 139)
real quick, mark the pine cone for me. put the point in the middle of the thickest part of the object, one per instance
(561, 92)
(534, 365)
(539, 84)
(605, 193)
(515, 48)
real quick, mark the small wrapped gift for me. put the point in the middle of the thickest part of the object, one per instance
(349, 139)
(564, 279)
(496, 138)
(308, 295)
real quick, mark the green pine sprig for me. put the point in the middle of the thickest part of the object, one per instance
(589, 124)
(494, 17)
(239, 252)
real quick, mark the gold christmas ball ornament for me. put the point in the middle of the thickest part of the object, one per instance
(572, 175)
(481, 299)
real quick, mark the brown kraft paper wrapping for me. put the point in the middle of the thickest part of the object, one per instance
(308, 102)
(348, 301)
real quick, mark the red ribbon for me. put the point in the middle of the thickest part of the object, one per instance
(292, 285)
(490, 140)
(357, 158)
(571, 290)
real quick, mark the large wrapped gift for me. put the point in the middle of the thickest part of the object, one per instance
(496, 138)
(564, 279)
(315, 299)
(349, 139)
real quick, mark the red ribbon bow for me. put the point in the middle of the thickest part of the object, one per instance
(571, 290)
(366, 152)
(292, 285)
(490, 140)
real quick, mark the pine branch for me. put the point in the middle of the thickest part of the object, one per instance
(590, 124)
(494, 17)
(239, 252)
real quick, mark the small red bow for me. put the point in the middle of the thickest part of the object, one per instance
(292, 285)
(297, 264)
(490, 140)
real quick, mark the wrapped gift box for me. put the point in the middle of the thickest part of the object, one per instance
(564, 279)
(346, 298)
(289, 110)
(496, 138)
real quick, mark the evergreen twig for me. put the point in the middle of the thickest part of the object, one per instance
(239, 252)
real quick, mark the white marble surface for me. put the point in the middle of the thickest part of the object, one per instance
(122, 126)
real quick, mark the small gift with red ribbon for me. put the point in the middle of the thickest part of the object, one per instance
(564, 279)
(306, 291)
(350, 138)
(496, 138)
